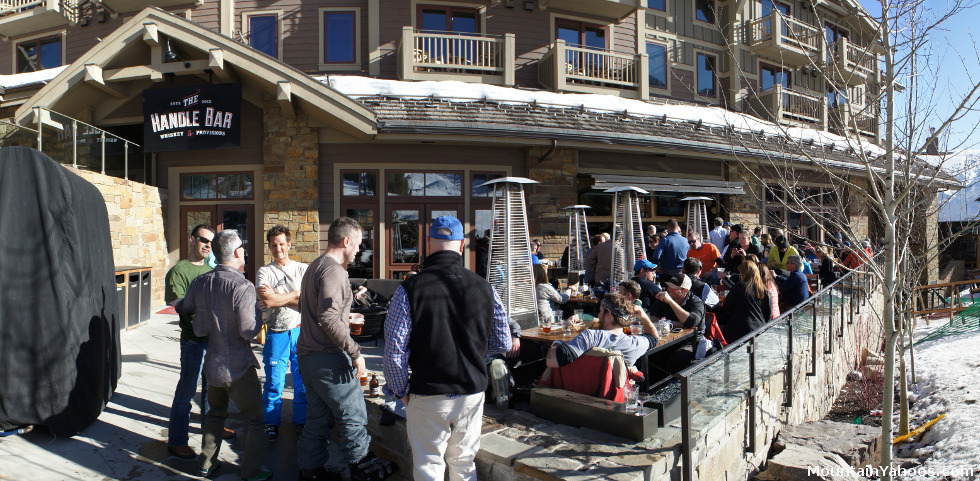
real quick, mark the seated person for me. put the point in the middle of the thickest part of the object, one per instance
(740, 248)
(615, 313)
(683, 309)
(780, 252)
(631, 291)
(645, 275)
(748, 306)
(692, 266)
(793, 289)
(549, 298)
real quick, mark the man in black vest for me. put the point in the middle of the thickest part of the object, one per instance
(443, 322)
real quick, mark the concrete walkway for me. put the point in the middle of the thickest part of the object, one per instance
(129, 440)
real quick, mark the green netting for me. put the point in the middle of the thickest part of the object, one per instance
(966, 321)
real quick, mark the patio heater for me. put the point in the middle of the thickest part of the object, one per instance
(509, 259)
(627, 233)
(579, 242)
(697, 216)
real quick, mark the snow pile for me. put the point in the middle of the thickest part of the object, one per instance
(28, 78)
(961, 205)
(946, 371)
(455, 91)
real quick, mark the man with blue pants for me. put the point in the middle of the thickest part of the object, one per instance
(279, 284)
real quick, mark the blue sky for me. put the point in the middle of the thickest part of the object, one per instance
(955, 76)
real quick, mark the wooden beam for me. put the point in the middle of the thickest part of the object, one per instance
(93, 77)
(105, 109)
(284, 97)
(216, 60)
(189, 67)
(150, 34)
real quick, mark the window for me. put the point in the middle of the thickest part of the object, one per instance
(39, 54)
(706, 75)
(657, 58)
(431, 184)
(833, 34)
(835, 96)
(448, 19)
(263, 33)
(657, 5)
(770, 76)
(340, 44)
(478, 189)
(769, 5)
(579, 33)
(704, 11)
(359, 184)
(216, 186)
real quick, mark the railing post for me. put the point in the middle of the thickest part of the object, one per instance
(406, 54)
(509, 58)
(752, 392)
(561, 65)
(687, 469)
(789, 362)
(778, 104)
(842, 53)
(830, 332)
(103, 152)
(776, 27)
(74, 144)
(813, 344)
(126, 161)
(643, 77)
(40, 125)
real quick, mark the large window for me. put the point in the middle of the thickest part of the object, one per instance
(771, 76)
(216, 186)
(263, 33)
(448, 19)
(704, 11)
(657, 57)
(428, 184)
(706, 75)
(769, 5)
(822, 203)
(657, 5)
(578, 33)
(359, 183)
(39, 54)
(340, 38)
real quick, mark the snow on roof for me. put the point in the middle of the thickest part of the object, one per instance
(455, 91)
(962, 205)
(28, 78)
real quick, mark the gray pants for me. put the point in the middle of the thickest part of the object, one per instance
(247, 394)
(334, 398)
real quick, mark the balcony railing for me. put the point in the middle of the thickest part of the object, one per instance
(853, 64)
(87, 147)
(576, 68)
(19, 17)
(778, 35)
(428, 55)
(780, 104)
(841, 121)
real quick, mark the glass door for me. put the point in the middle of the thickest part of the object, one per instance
(241, 218)
(408, 228)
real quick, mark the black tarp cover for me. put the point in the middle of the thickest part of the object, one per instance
(59, 341)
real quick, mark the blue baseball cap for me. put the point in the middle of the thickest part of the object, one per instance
(643, 264)
(449, 223)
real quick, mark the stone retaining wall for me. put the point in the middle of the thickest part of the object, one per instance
(517, 445)
(136, 220)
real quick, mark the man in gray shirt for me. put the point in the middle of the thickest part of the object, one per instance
(331, 364)
(225, 309)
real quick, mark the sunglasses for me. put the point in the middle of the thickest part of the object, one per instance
(203, 240)
(692, 242)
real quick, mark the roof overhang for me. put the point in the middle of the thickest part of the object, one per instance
(130, 60)
(668, 184)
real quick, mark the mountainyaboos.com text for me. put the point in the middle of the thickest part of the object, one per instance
(877, 471)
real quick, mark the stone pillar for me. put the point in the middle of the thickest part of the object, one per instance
(546, 201)
(290, 154)
(744, 209)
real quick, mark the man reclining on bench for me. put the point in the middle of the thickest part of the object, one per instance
(615, 313)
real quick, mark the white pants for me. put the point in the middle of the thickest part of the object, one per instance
(444, 431)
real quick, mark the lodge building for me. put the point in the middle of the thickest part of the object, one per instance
(326, 112)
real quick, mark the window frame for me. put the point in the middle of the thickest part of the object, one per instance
(655, 9)
(359, 196)
(183, 175)
(789, 8)
(37, 38)
(714, 73)
(246, 27)
(582, 25)
(339, 66)
(775, 69)
(425, 199)
(449, 8)
(714, 11)
(666, 48)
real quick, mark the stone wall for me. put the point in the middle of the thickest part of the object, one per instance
(547, 219)
(136, 222)
(289, 152)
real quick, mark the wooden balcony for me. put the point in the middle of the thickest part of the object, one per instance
(843, 120)
(20, 17)
(781, 37)
(425, 55)
(127, 6)
(852, 64)
(787, 106)
(573, 68)
(610, 9)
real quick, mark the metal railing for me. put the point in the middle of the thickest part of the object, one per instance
(87, 147)
(722, 381)
(448, 55)
(790, 31)
(580, 68)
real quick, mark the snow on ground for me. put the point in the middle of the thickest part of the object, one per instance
(455, 91)
(947, 374)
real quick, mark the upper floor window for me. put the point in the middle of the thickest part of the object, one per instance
(340, 38)
(657, 57)
(835, 96)
(579, 33)
(39, 54)
(706, 75)
(448, 19)
(770, 76)
(769, 5)
(657, 5)
(704, 11)
(263, 33)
